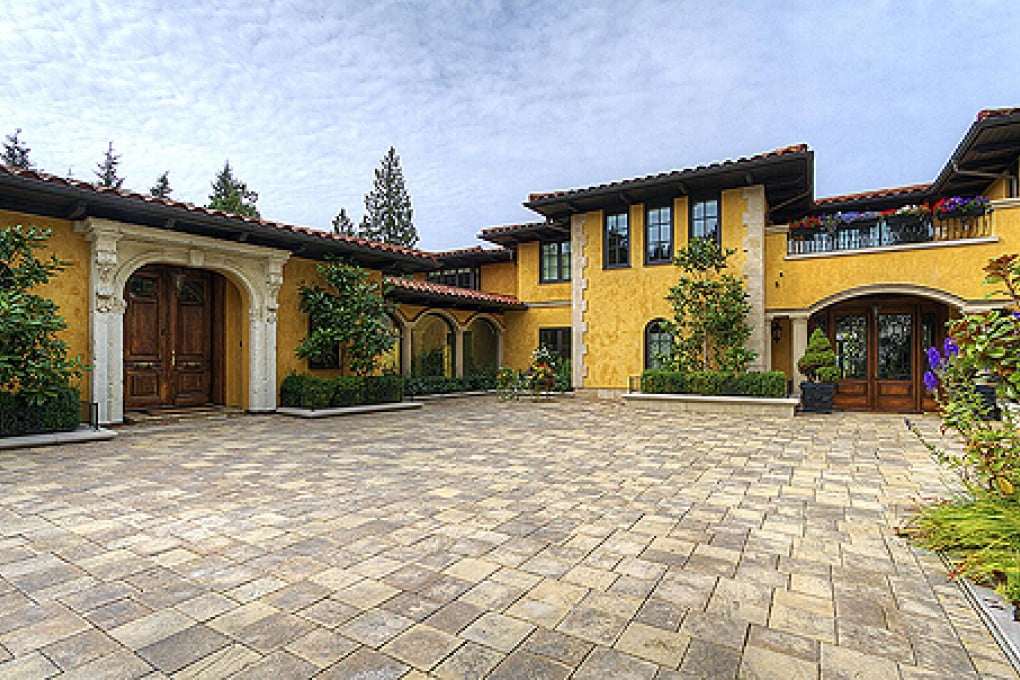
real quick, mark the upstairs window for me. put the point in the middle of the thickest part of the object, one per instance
(659, 235)
(464, 277)
(555, 262)
(705, 220)
(616, 241)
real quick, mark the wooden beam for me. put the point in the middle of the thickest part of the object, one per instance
(243, 237)
(625, 199)
(992, 147)
(749, 178)
(78, 211)
(682, 186)
(171, 223)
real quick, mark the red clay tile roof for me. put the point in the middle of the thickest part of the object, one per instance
(453, 291)
(995, 113)
(511, 227)
(877, 193)
(78, 184)
(465, 251)
(796, 148)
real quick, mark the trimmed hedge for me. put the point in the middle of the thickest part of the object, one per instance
(750, 384)
(309, 391)
(60, 413)
(415, 386)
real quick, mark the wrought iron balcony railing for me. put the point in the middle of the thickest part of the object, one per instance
(884, 232)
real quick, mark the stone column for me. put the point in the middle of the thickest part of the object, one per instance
(766, 357)
(106, 322)
(799, 328)
(578, 304)
(405, 348)
(754, 274)
(458, 352)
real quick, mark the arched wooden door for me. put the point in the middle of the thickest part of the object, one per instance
(169, 337)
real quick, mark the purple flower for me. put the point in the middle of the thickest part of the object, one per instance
(931, 381)
(1016, 315)
(950, 348)
(934, 359)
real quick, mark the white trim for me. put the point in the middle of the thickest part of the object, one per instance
(981, 240)
(549, 303)
(1000, 203)
(579, 305)
(120, 249)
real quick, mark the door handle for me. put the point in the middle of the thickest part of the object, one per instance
(173, 359)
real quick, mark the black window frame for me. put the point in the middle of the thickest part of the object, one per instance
(562, 261)
(649, 209)
(607, 249)
(457, 277)
(557, 339)
(694, 221)
(649, 358)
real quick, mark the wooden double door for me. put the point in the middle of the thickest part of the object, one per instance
(171, 334)
(880, 347)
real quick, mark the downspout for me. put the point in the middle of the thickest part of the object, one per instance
(1013, 189)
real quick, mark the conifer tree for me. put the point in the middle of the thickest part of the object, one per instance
(230, 194)
(15, 152)
(106, 170)
(161, 189)
(388, 207)
(342, 224)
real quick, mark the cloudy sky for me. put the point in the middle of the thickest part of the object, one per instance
(488, 101)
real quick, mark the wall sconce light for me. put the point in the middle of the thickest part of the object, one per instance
(777, 331)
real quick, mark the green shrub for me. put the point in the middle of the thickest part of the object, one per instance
(58, 413)
(819, 361)
(383, 389)
(308, 391)
(751, 384)
(348, 390)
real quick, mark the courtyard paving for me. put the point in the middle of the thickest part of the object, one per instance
(479, 539)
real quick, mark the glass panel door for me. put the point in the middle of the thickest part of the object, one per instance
(852, 347)
(895, 340)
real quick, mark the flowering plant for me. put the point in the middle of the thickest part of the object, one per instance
(961, 205)
(918, 210)
(833, 221)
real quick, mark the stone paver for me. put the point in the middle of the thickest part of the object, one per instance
(480, 539)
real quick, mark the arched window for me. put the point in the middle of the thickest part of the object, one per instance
(658, 343)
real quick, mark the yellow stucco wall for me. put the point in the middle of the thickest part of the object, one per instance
(529, 289)
(235, 341)
(622, 301)
(69, 289)
(522, 328)
(798, 283)
(500, 278)
(291, 322)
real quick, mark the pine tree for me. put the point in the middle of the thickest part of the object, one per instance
(15, 152)
(342, 224)
(106, 170)
(232, 195)
(388, 207)
(161, 189)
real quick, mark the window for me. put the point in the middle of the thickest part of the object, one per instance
(658, 344)
(659, 235)
(331, 361)
(463, 277)
(555, 262)
(617, 241)
(705, 220)
(556, 339)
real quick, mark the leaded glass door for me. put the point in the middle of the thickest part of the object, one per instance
(894, 365)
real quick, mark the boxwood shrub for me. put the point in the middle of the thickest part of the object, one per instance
(750, 384)
(59, 413)
(309, 391)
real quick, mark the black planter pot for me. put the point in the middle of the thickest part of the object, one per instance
(817, 397)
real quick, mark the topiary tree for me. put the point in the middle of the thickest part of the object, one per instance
(350, 312)
(33, 360)
(710, 311)
(819, 361)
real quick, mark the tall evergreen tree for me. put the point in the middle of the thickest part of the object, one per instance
(230, 194)
(161, 189)
(388, 207)
(15, 152)
(106, 170)
(342, 224)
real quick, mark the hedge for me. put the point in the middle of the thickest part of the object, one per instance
(308, 391)
(59, 413)
(477, 382)
(751, 384)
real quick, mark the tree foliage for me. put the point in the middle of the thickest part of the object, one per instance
(231, 195)
(15, 152)
(33, 360)
(106, 170)
(161, 189)
(352, 312)
(819, 360)
(342, 224)
(710, 311)
(388, 212)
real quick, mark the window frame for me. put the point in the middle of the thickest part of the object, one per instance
(606, 264)
(561, 277)
(451, 276)
(649, 209)
(692, 220)
(648, 343)
(564, 337)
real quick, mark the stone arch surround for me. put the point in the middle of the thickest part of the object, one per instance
(118, 250)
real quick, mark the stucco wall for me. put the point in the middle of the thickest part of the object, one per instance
(522, 328)
(291, 322)
(500, 278)
(529, 289)
(70, 288)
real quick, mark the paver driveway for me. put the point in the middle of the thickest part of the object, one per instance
(473, 538)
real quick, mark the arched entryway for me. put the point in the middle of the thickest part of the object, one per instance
(432, 346)
(481, 347)
(880, 343)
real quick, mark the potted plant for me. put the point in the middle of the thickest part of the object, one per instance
(819, 366)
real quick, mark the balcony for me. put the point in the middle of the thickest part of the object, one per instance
(888, 231)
